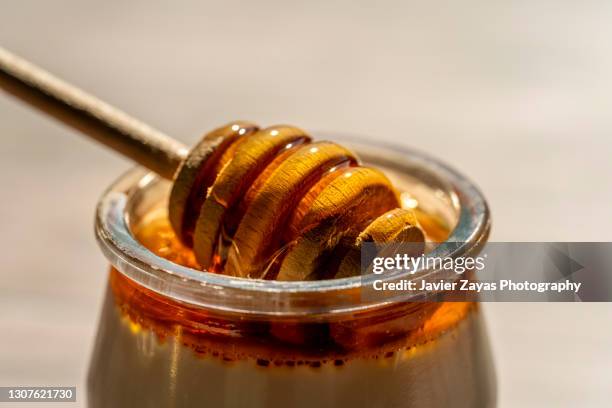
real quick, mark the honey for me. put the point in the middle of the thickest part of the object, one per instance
(373, 334)
(272, 204)
(175, 337)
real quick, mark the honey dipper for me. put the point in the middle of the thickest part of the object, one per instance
(261, 203)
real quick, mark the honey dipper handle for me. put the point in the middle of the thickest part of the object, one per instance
(110, 126)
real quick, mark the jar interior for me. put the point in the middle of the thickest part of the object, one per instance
(435, 204)
(442, 196)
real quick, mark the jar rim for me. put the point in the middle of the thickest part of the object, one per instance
(266, 297)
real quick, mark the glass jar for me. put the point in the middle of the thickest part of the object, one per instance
(174, 336)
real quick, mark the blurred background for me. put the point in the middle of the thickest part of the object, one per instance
(515, 94)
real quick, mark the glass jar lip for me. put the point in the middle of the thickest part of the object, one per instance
(265, 297)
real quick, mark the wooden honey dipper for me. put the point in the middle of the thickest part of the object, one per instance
(261, 203)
